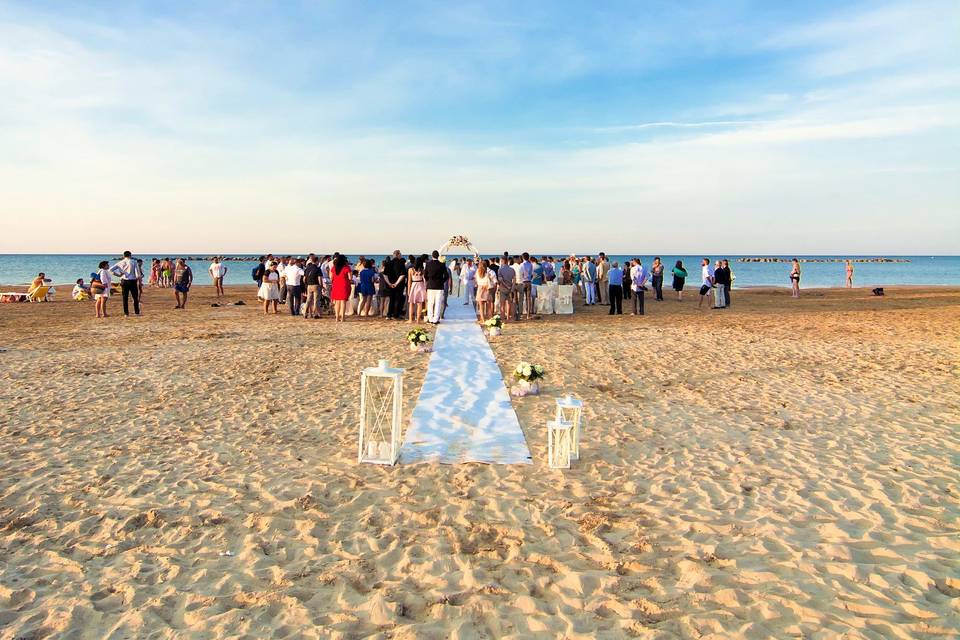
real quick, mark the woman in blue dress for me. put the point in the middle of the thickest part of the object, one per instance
(367, 288)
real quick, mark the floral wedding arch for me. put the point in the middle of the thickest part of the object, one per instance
(459, 242)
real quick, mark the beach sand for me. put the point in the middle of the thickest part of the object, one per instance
(782, 469)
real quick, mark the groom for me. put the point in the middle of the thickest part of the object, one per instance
(436, 274)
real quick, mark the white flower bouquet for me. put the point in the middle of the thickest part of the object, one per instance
(419, 340)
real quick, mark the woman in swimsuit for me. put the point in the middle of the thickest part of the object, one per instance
(795, 278)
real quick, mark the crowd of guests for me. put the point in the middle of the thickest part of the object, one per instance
(418, 287)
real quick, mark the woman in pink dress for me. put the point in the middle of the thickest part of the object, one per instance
(416, 291)
(340, 286)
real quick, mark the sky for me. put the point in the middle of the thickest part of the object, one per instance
(628, 127)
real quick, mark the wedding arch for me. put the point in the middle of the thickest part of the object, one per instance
(456, 242)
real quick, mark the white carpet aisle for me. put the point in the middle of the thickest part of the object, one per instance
(464, 412)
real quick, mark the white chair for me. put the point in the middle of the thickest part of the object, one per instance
(543, 303)
(564, 302)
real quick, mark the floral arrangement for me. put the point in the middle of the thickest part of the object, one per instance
(418, 336)
(529, 372)
(494, 323)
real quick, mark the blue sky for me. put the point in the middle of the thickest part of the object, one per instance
(733, 127)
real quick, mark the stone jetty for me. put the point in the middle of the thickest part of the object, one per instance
(772, 259)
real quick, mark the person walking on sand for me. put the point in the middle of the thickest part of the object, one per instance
(679, 278)
(849, 274)
(706, 280)
(130, 275)
(101, 288)
(795, 278)
(615, 289)
(217, 271)
(182, 281)
(436, 274)
(270, 288)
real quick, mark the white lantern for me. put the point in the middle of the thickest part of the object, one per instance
(381, 394)
(569, 409)
(559, 444)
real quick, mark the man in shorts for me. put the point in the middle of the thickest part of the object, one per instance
(707, 280)
(182, 280)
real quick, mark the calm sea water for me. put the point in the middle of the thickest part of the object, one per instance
(921, 270)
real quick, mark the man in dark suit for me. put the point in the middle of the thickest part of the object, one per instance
(436, 274)
(396, 274)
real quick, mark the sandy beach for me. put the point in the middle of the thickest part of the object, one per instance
(780, 469)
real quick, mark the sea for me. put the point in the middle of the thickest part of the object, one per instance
(20, 269)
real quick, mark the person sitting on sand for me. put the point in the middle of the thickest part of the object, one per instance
(182, 281)
(80, 291)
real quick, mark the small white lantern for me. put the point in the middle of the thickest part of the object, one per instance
(381, 395)
(569, 409)
(559, 444)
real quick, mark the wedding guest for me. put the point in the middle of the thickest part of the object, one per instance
(506, 283)
(679, 278)
(270, 288)
(849, 274)
(638, 282)
(435, 273)
(383, 291)
(340, 287)
(367, 287)
(416, 291)
(469, 283)
(101, 288)
(486, 284)
(603, 279)
(656, 278)
(293, 277)
(526, 285)
(258, 271)
(311, 280)
(130, 275)
(795, 278)
(549, 274)
(396, 278)
(615, 286)
(589, 275)
(566, 274)
(182, 281)
(706, 280)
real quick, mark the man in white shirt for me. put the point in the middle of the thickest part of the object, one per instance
(467, 278)
(218, 271)
(293, 274)
(130, 274)
(706, 274)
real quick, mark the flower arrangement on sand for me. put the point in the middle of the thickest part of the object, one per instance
(528, 378)
(494, 325)
(419, 340)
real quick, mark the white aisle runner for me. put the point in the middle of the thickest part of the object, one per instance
(464, 412)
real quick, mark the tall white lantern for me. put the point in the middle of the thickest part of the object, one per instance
(569, 409)
(381, 396)
(559, 444)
